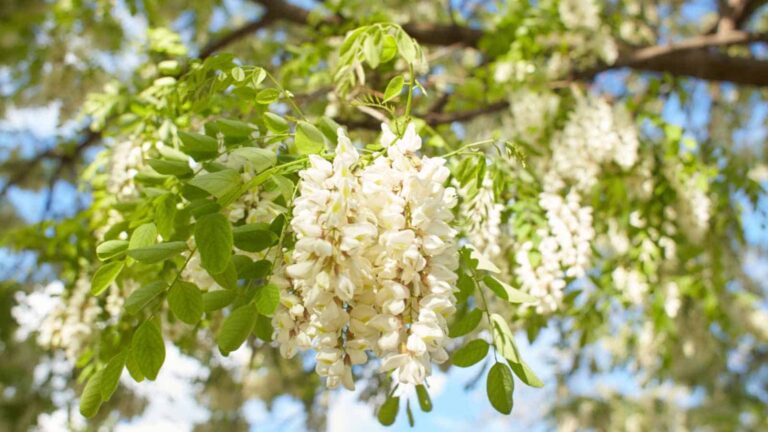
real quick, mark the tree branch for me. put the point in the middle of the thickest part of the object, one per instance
(53, 153)
(237, 34)
(695, 57)
(735, 15)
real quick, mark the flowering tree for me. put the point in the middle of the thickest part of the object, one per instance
(356, 194)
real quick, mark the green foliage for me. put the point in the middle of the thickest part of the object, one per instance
(148, 349)
(466, 324)
(143, 296)
(309, 139)
(500, 386)
(213, 237)
(388, 411)
(105, 276)
(186, 302)
(236, 328)
(470, 353)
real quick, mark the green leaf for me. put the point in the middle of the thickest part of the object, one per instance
(170, 153)
(259, 159)
(406, 47)
(388, 411)
(470, 353)
(236, 328)
(371, 51)
(220, 184)
(110, 375)
(466, 285)
(308, 139)
(500, 386)
(228, 278)
(233, 130)
(329, 128)
(111, 249)
(409, 413)
(143, 236)
(255, 270)
(199, 146)
(237, 73)
(388, 48)
(483, 263)
(526, 374)
(213, 237)
(143, 296)
(253, 237)
(105, 275)
(466, 324)
(148, 349)
(503, 338)
(275, 123)
(259, 75)
(133, 367)
(425, 402)
(394, 88)
(165, 214)
(267, 95)
(506, 292)
(215, 300)
(263, 328)
(266, 299)
(158, 252)
(186, 302)
(171, 167)
(90, 400)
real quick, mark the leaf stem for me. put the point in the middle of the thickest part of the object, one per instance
(467, 146)
(411, 86)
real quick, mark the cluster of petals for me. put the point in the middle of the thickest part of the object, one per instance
(564, 250)
(594, 135)
(373, 269)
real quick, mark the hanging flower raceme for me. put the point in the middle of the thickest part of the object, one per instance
(373, 269)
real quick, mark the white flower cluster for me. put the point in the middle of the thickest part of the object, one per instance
(579, 14)
(126, 160)
(374, 264)
(531, 110)
(564, 250)
(71, 321)
(632, 283)
(594, 135)
(484, 220)
(586, 34)
(694, 206)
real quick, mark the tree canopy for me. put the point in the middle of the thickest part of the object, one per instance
(304, 196)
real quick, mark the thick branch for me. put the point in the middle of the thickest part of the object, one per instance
(696, 57)
(237, 34)
(685, 58)
(425, 33)
(735, 15)
(702, 64)
(53, 153)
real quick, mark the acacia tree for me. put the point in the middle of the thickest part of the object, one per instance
(360, 193)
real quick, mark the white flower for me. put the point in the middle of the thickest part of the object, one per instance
(594, 135)
(373, 266)
(564, 250)
(484, 217)
(579, 14)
